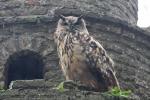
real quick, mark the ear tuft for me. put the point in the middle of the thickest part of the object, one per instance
(62, 17)
(80, 17)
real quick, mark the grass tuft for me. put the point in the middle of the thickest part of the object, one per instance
(118, 92)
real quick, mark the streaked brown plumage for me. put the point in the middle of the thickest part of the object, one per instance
(82, 58)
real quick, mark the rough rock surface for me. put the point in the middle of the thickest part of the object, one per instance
(123, 9)
(147, 28)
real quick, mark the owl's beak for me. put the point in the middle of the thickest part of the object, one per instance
(71, 28)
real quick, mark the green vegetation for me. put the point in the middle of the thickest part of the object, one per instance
(60, 87)
(1, 88)
(118, 92)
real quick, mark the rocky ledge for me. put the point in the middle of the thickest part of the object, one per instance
(44, 90)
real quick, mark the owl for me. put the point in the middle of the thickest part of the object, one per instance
(81, 57)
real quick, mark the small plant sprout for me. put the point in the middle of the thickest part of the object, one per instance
(60, 87)
(118, 92)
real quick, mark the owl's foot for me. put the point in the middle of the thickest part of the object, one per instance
(72, 85)
(66, 85)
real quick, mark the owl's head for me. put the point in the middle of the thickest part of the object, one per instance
(72, 23)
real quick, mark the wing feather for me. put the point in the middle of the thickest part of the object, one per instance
(100, 64)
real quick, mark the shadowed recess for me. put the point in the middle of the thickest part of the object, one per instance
(23, 65)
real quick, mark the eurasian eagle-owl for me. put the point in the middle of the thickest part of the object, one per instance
(82, 58)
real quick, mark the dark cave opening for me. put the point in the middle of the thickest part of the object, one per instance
(23, 65)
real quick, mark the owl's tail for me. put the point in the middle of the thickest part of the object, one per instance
(113, 81)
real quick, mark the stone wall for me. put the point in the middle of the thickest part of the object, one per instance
(123, 9)
(29, 25)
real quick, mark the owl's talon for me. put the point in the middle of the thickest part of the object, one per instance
(66, 85)
(63, 86)
(69, 84)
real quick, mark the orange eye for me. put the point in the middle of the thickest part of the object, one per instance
(77, 23)
(65, 23)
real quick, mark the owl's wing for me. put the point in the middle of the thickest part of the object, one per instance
(99, 63)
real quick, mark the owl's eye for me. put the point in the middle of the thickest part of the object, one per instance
(65, 23)
(77, 23)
